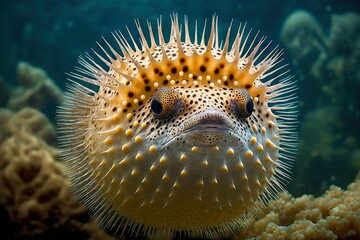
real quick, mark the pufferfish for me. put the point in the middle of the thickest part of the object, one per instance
(179, 136)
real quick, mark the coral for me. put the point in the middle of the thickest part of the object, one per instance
(5, 115)
(34, 122)
(36, 89)
(327, 68)
(344, 52)
(335, 215)
(303, 36)
(325, 62)
(31, 121)
(345, 34)
(35, 196)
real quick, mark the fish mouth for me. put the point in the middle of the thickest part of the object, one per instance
(209, 121)
(209, 128)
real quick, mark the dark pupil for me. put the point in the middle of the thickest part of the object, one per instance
(249, 106)
(156, 106)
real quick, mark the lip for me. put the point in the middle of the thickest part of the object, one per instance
(209, 121)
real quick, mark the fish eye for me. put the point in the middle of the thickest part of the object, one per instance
(242, 103)
(165, 103)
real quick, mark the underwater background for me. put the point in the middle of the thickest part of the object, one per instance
(41, 40)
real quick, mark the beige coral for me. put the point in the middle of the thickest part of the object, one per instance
(35, 195)
(335, 215)
(31, 121)
(34, 122)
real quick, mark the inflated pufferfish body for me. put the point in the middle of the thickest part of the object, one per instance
(179, 136)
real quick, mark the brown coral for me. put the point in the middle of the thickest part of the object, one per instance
(335, 215)
(34, 195)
